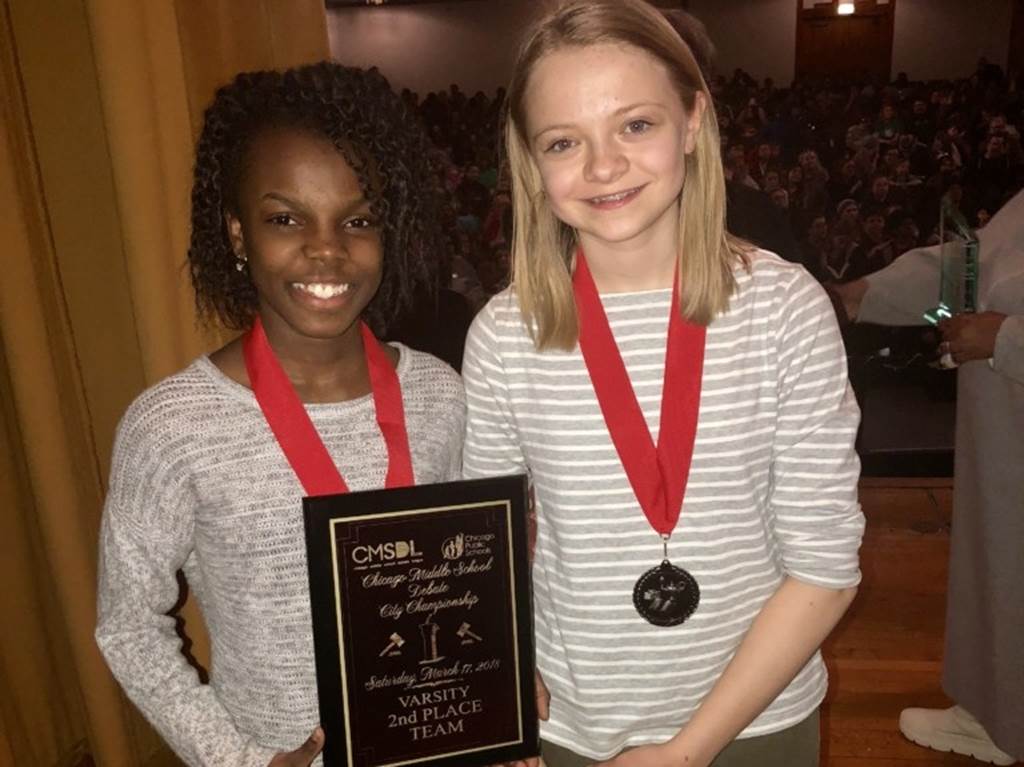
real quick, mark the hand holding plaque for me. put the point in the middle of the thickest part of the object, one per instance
(304, 755)
(543, 698)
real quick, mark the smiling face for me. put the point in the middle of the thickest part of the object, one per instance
(609, 134)
(312, 246)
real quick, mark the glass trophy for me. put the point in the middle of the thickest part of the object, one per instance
(958, 272)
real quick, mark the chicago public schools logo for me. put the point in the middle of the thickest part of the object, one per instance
(453, 548)
(385, 552)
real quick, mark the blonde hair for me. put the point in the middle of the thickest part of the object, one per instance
(543, 248)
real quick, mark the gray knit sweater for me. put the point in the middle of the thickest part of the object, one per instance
(198, 483)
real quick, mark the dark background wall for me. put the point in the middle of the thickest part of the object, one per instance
(425, 47)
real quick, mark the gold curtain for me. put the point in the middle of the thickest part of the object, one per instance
(100, 102)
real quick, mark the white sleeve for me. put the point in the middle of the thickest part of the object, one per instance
(146, 536)
(1008, 359)
(903, 291)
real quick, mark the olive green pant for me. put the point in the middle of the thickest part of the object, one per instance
(796, 746)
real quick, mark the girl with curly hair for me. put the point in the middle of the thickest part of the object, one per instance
(312, 226)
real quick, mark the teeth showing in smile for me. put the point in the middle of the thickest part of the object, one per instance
(321, 289)
(613, 197)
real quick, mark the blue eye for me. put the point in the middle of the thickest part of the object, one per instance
(559, 145)
(638, 126)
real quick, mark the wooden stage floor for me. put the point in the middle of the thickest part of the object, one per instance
(887, 652)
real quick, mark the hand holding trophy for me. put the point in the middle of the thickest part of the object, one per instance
(958, 275)
(970, 336)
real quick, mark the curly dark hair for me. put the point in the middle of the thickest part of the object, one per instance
(380, 139)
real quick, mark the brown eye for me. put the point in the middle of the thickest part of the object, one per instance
(361, 222)
(282, 219)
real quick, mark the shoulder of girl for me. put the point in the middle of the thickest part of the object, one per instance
(501, 308)
(424, 365)
(157, 409)
(431, 384)
(771, 275)
(770, 265)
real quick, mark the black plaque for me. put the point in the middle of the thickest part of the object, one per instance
(423, 624)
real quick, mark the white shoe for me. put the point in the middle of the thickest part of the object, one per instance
(951, 729)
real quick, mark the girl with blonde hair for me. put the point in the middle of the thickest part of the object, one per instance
(681, 403)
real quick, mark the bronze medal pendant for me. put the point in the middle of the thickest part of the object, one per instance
(666, 595)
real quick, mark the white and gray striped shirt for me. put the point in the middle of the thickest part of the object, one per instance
(772, 492)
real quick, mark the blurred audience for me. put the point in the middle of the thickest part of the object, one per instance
(840, 177)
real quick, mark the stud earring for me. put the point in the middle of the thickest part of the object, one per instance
(240, 262)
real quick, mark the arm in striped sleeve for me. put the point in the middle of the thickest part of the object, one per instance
(817, 520)
(492, 441)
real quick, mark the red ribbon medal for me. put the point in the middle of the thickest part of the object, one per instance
(295, 433)
(666, 595)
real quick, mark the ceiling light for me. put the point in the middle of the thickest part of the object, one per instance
(845, 9)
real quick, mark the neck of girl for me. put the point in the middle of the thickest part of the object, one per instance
(324, 370)
(631, 267)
